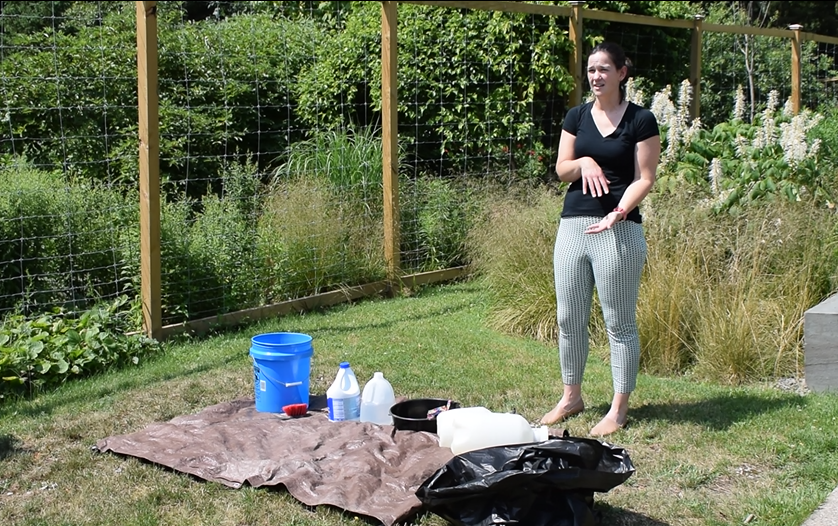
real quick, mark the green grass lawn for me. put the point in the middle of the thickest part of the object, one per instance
(704, 454)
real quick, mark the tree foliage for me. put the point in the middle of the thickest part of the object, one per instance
(248, 79)
(757, 63)
(815, 17)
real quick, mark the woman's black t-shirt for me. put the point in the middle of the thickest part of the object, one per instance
(614, 153)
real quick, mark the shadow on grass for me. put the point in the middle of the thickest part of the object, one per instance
(9, 447)
(619, 517)
(717, 413)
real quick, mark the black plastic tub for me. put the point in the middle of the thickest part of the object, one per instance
(412, 415)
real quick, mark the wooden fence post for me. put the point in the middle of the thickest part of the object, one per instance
(695, 67)
(390, 139)
(575, 35)
(149, 136)
(795, 68)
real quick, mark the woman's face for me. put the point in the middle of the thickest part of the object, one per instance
(603, 75)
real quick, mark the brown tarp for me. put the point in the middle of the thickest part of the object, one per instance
(359, 467)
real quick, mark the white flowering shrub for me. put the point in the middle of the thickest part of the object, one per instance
(739, 162)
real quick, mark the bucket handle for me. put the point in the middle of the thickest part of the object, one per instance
(274, 380)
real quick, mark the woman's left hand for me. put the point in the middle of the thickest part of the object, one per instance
(606, 223)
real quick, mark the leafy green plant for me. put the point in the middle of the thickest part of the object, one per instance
(436, 216)
(456, 100)
(208, 248)
(826, 133)
(522, 162)
(38, 352)
(239, 103)
(70, 96)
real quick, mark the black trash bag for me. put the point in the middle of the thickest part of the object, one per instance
(549, 483)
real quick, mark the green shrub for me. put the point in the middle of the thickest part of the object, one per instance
(58, 239)
(239, 101)
(458, 104)
(208, 258)
(47, 349)
(71, 95)
(739, 162)
(436, 215)
(826, 133)
(223, 243)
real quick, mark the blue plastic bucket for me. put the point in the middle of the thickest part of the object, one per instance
(281, 369)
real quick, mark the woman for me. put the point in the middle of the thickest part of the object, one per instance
(609, 152)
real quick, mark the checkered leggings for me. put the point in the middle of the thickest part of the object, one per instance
(613, 262)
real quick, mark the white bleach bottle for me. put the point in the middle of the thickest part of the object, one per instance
(376, 400)
(344, 396)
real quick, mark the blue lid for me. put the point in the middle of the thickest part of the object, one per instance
(344, 365)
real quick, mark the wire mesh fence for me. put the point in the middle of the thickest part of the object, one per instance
(69, 119)
(819, 88)
(270, 131)
(654, 66)
(756, 65)
(478, 98)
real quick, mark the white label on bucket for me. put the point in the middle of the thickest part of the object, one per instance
(263, 386)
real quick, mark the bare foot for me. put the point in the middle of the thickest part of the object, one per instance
(563, 411)
(608, 425)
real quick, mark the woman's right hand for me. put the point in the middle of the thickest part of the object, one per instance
(593, 178)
